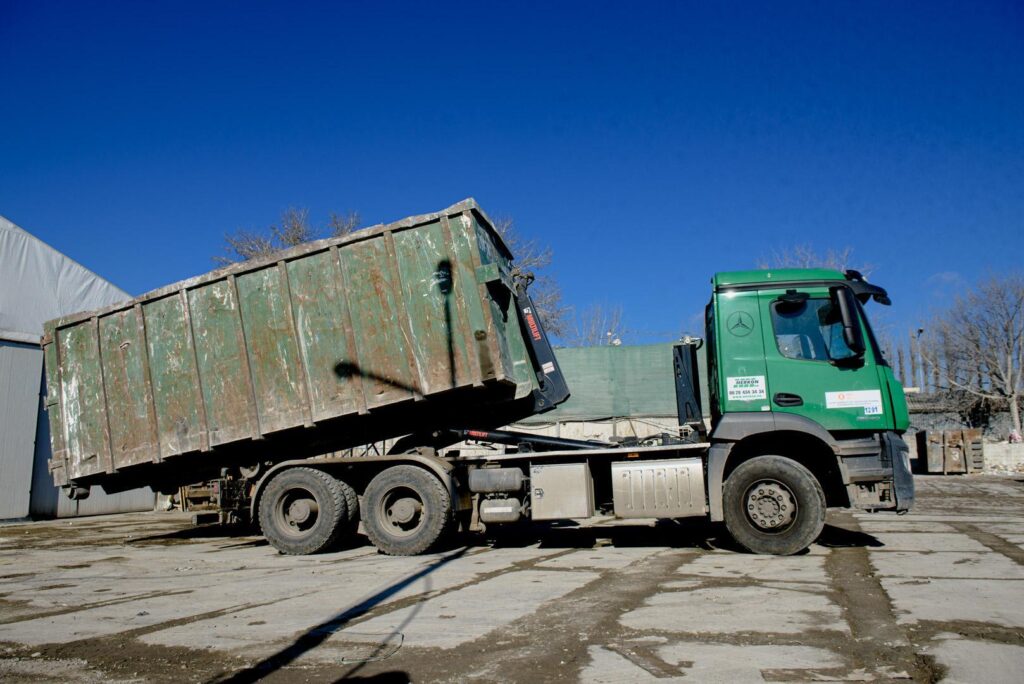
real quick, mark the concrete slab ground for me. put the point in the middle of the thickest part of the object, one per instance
(937, 595)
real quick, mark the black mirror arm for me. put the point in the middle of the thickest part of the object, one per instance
(865, 291)
(852, 333)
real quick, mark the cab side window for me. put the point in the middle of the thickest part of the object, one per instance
(811, 330)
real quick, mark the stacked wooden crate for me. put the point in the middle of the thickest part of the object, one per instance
(950, 451)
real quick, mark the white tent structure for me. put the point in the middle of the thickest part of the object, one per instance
(37, 284)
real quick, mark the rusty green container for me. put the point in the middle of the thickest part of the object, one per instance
(327, 345)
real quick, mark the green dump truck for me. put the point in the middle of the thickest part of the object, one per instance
(422, 331)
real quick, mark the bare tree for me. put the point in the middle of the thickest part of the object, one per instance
(293, 229)
(341, 225)
(596, 326)
(977, 346)
(545, 292)
(245, 244)
(805, 256)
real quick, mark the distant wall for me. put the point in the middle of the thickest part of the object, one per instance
(21, 368)
(1004, 457)
(928, 416)
(604, 430)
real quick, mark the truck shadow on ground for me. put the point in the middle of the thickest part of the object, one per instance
(318, 634)
(672, 534)
(704, 536)
(836, 537)
(243, 536)
(569, 535)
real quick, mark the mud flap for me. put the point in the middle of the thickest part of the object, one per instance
(903, 480)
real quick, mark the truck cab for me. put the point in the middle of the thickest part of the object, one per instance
(796, 372)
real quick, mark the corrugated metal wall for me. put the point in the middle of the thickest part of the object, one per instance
(20, 378)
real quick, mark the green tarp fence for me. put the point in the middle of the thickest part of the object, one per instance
(618, 382)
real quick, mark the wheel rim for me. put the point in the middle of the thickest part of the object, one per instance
(401, 511)
(297, 512)
(770, 506)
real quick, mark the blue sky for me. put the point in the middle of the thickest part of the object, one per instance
(650, 144)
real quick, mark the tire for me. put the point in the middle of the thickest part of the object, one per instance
(304, 511)
(351, 504)
(773, 505)
(406, 510)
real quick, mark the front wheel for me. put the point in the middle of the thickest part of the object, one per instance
(406, 510)
(773, 505)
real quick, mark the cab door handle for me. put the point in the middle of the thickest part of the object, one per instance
(787, 400)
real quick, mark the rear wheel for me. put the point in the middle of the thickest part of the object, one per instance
(406, 510)
(304, 511)
(773, 505)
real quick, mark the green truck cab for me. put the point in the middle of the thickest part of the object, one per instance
(806, 415)
(796, 372)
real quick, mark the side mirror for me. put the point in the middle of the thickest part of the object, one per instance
(853, 334)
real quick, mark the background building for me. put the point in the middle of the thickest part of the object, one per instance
(37, 284)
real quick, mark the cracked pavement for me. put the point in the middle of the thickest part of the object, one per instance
(937, 595)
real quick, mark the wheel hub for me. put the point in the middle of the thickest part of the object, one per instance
(404, 510)
(770, 505)
(301, 510)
